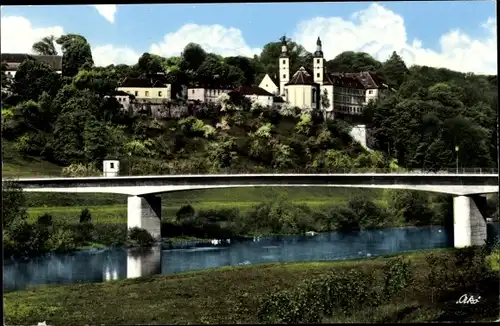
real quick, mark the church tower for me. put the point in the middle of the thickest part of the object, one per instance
(318, 63)
(284, 66)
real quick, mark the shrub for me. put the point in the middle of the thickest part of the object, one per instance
(85, 216)
(45, 219)
(141, 237)
(80, 170)
(110, 234)
(398, 275)
(493, 261)
(185, 212)
(61, 240)
(83, 232)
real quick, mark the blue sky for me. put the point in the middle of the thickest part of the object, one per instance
(385, 26)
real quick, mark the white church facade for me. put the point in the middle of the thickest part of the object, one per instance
(335, 93)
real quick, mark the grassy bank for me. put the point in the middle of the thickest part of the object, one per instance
(223, 295)
(117, 214)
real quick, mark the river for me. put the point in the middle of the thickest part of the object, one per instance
(98, 265)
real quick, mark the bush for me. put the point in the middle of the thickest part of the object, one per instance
(110, 234)
(80, 170)
(493, 261)
(398, 275)
(141, 237)
(316, 299)
(45, 219)
(61, 240)
(85, 216)
(83, 232)
(185, 212)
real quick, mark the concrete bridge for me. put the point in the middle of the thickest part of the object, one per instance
(144, 207)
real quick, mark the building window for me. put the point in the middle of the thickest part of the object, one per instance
(9, 73)
(159, 93)
(266, 85)
(284, 61)
(147, 93)
(192, 92)
(136, 93)
(317, 75)
(370, 92)
(317, 60)
(284, 76)
(111, 165)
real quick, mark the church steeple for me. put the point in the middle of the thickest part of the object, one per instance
(284, 48)
(318, 63)
(284, 65)
(319, 51)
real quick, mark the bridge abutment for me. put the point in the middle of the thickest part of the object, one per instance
(145, 212)
(469, 225)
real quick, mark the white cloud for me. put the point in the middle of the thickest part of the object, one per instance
(107, 11)
(108, 54)
(18, 36)
(213, 38)
(379, 31)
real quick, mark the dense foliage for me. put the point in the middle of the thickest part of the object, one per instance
(449, 277)
(69, 119)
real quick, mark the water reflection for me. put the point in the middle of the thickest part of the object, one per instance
(118, 263)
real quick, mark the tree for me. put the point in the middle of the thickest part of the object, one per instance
(325, 104)
(192, 57)
(184, 213)
(395, 70)
(13, 203)
(85, 216)
(46, 46)
(298, 55)
(76, 54)
(350, 61)
(245, 65)
(33, 78)
(150, 64)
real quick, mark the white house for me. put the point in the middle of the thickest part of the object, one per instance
(256, 94)
(206, 93)
(270, 84)
(154, 87)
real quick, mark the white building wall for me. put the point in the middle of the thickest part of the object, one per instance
(268, 84)
(300, 96)
(358, 133)
(318, 70)
(284, 64)
(371, 95)
(157, 93)
(265, 101)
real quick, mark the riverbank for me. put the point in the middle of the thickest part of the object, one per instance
(222, 295)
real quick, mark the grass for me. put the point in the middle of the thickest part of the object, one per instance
(222, 295)
(18, 166)
(118, 213)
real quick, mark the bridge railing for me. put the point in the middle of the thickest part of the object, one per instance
(320, 170)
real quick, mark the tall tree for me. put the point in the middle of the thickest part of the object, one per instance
(192, 57)
(395, 70)
(350, 61)
(46, 46)
(77, 54)
(150, 63)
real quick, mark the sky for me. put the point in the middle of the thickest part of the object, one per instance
(456, 35)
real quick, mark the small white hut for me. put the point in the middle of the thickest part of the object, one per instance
(110, 167)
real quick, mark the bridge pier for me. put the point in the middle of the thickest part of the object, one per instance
(469, 225)
(145, 212)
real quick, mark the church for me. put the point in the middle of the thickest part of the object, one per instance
(335, 93)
